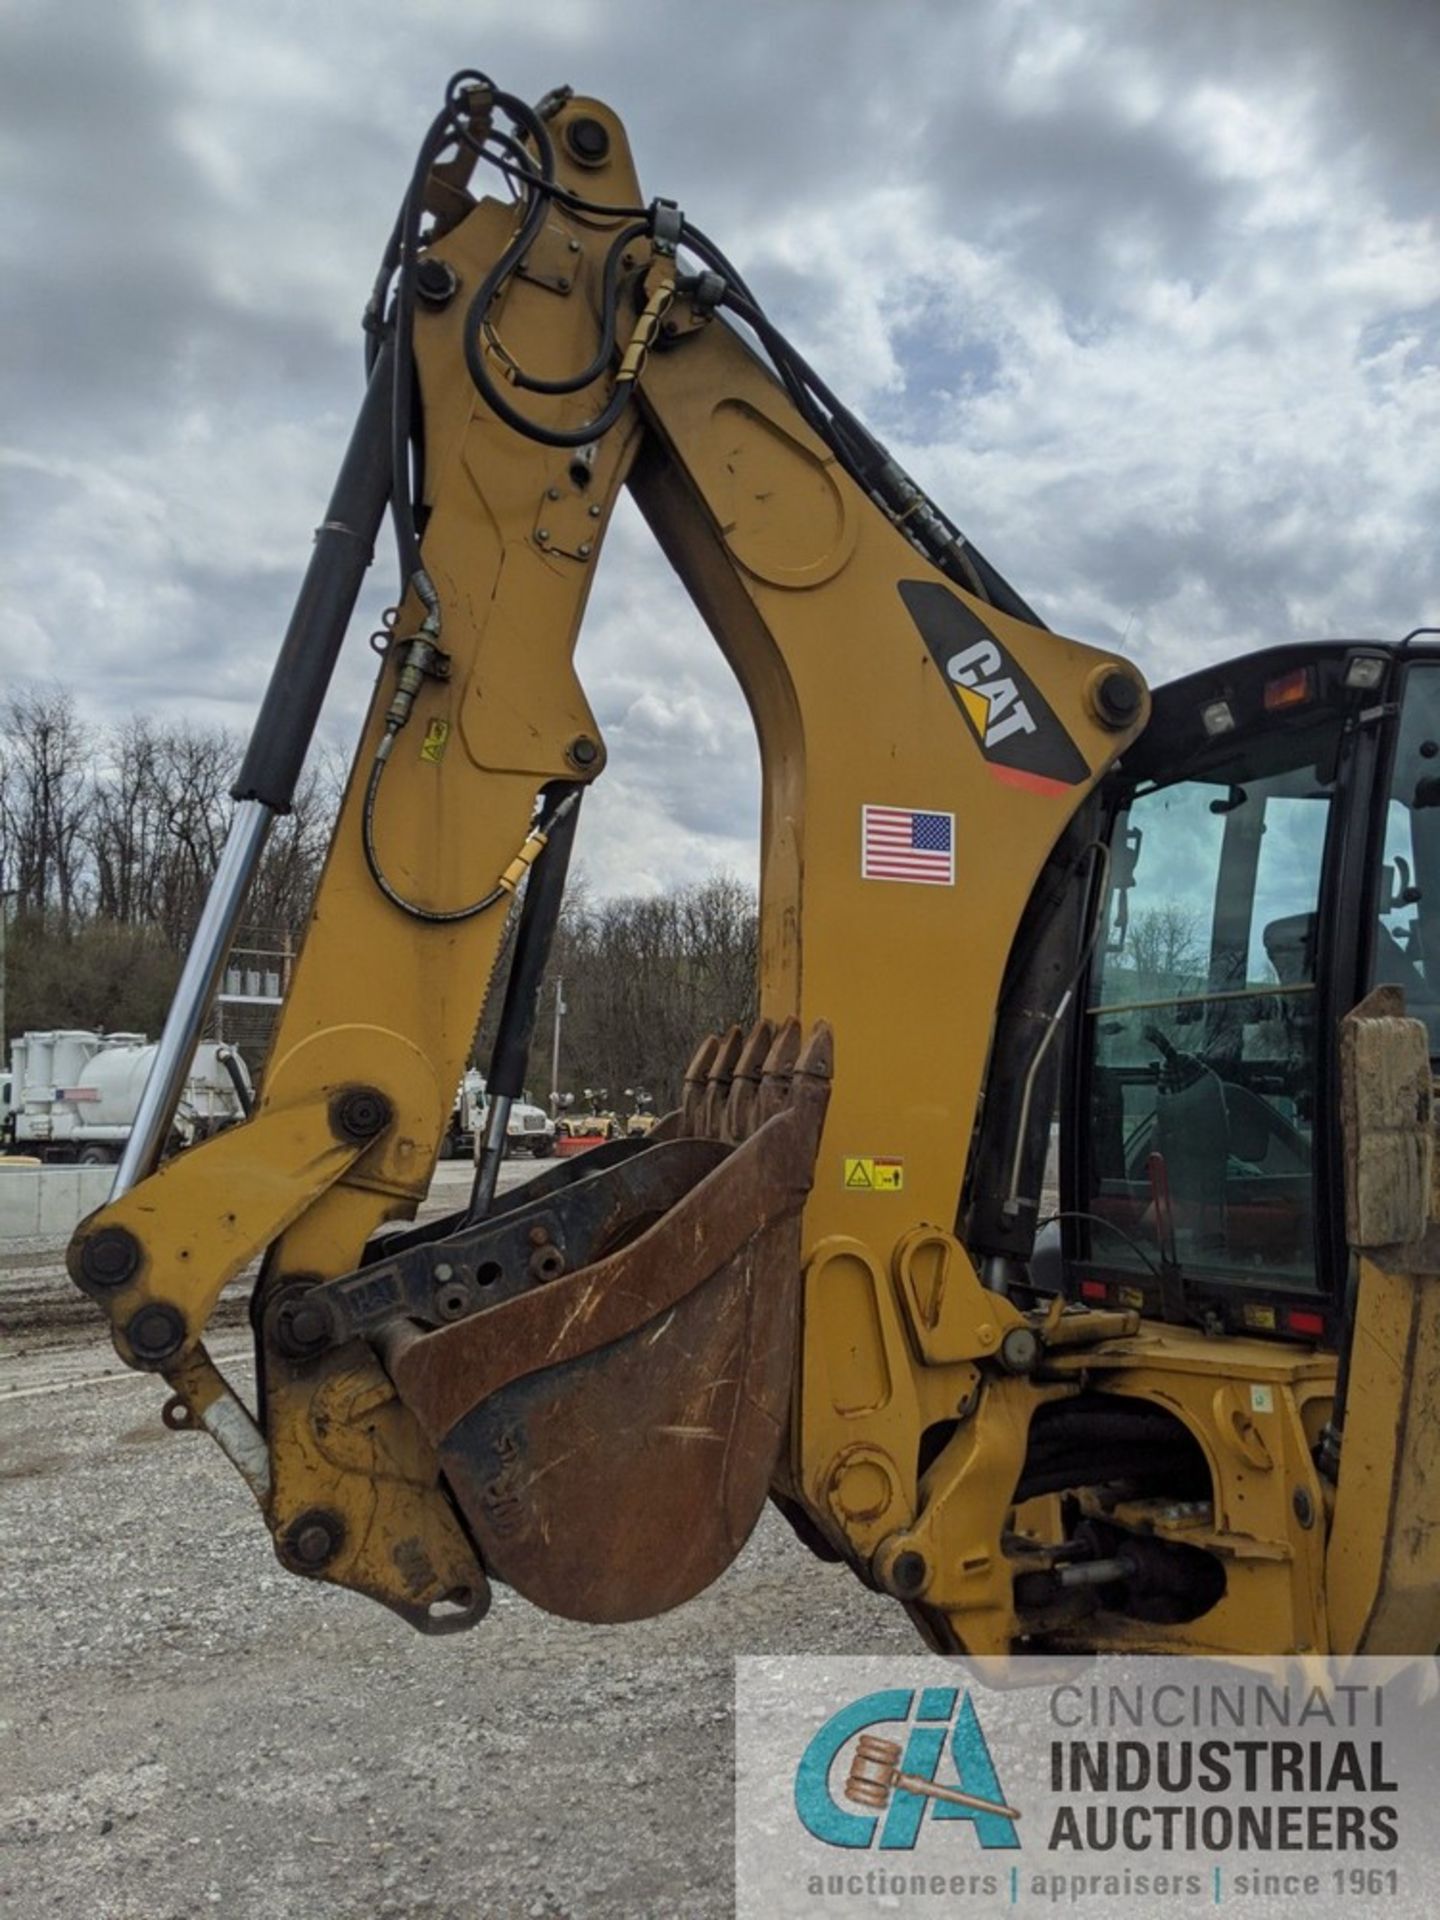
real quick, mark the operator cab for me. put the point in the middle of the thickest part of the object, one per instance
(1274, 851)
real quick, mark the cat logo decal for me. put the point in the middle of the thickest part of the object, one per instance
(1023, 742)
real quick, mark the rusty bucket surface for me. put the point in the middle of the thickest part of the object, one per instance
(610, 1436)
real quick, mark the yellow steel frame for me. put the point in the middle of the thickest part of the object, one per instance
(799, 579)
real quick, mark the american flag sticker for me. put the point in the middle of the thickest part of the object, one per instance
(903, 843)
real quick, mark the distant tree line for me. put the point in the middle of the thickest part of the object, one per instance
(644, 979)
(108, 839)
(109, 836)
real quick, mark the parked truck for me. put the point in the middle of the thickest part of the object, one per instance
(74, 1094)
(527, 1130)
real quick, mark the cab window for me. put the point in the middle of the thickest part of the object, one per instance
(1201, 1020)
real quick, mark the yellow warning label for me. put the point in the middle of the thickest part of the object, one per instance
(867, 1174)
(436, 734)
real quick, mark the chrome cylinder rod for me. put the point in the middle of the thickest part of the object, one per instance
(492, 1152)
(198, 980)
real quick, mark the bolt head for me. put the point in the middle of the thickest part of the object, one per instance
(583, 751)
(156, 1333)
(1020, 1349)
(359, 1113)
(436, 282)
(908, 1574)
(1117, 699)
(308, 1323)
(110, 1257)
(313, 1539)
(302, 1324)
(588, 139)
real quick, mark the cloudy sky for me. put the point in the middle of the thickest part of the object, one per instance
(1147, 293)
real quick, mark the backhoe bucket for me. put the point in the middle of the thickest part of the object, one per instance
(610, 1435)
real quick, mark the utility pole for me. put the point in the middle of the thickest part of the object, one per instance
(555, 1047)
(6, 896)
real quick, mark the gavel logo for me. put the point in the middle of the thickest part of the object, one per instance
(875, 1774)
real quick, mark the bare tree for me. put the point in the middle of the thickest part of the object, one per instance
(646, 977)
(1165, 949)
(44, 781)
(108, 842)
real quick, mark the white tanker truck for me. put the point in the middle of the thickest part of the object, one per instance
(74, 1094)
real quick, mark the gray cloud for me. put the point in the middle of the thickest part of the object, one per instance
(1149, 296)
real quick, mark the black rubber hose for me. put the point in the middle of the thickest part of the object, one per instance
(863, 457)
(1097, 1470)
(407, 538)
(235, 1072)
(547, 436)
(375, 327)
(609, 301)
(1086, 1443)
(435, 916)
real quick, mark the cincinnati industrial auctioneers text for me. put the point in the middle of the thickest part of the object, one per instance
(1310, 1763)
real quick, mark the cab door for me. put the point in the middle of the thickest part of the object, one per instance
(1200, 1162)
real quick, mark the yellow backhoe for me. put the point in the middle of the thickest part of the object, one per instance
(1005, 891)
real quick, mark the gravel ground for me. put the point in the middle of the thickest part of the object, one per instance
(189, 1730)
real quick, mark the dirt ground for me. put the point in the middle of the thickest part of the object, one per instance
(186, 1729)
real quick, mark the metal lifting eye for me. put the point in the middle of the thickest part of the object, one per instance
(381, 638)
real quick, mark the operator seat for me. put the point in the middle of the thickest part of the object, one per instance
(1290, 947)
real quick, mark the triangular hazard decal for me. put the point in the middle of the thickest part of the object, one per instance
(859, 1176)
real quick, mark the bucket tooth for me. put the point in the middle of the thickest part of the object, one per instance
(779, 1067)
(745, 1083)
(817, 1056)
(697, 1080)
(717, 1091)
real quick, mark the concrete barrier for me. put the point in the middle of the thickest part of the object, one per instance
(36, 1201)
